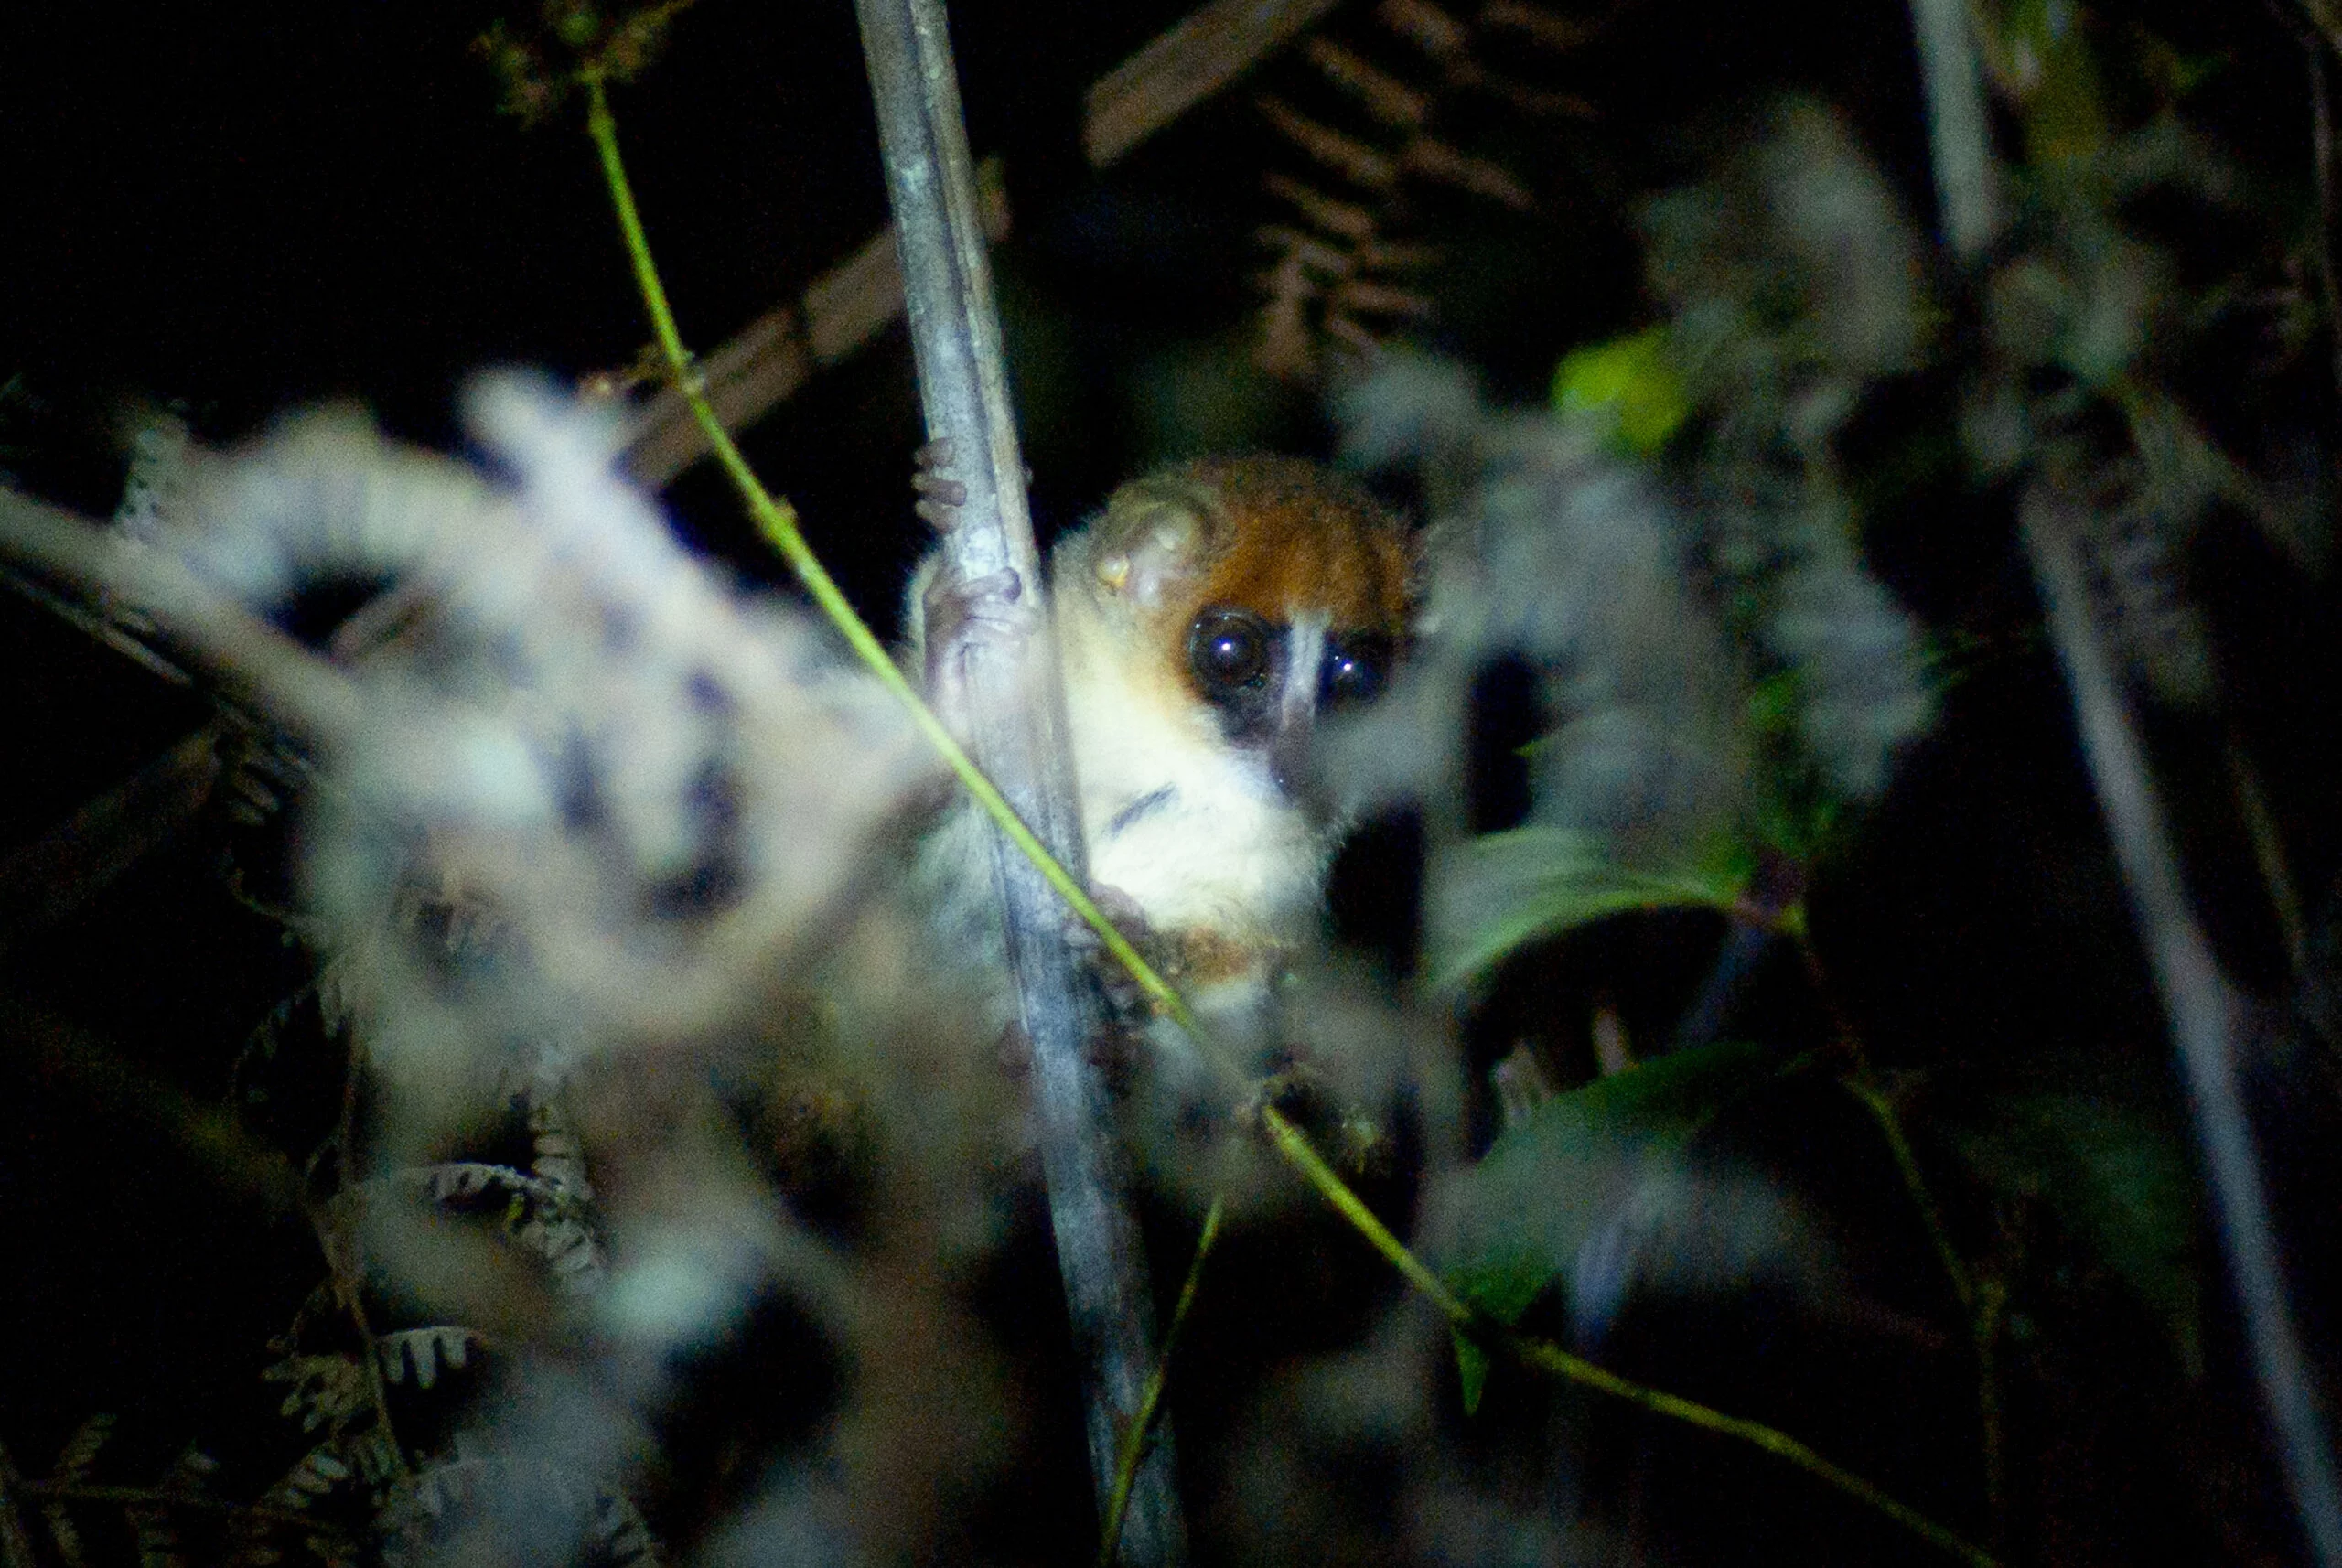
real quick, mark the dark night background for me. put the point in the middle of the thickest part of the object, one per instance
(243, 209)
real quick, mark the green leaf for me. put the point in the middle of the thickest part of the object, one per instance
(2044, 60)
(1471, 1370)
(1631, 379)
(1521, 1217)
(2122, 1186)
(1493, 893)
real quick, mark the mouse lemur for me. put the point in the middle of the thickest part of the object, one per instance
(1206, 619)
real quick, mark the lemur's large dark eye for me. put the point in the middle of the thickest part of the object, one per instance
(1229, 651)
(1357, 664)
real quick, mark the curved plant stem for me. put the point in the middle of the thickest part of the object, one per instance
(1577, 1369)
(1906, 1164)
(1098, 1248)
(1135, 1441)
(1991, 1310)
(777, 521)
(1982, 1297)
(337, 1239)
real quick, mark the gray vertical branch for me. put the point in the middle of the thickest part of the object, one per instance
(1960, 140)
(2200, 1007)
(1019, 739)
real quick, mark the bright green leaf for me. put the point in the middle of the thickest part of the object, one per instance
(1633, 379)
(1471, 1371)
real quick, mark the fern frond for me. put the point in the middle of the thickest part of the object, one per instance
(72, 1468)
(425, 1351)
(623, 1535)
(547, 1215)
(559, 1160)
(320, 1302)
(155, 1535)
(80, 1450)
(1349, 278)
(154, 1530)
(372, 1454)
(1389, 100)
(16, 1541)
(327, 1391)
(161, 447)
(313, 1477)
(64, 1534)
(473, 1503)
(252, 1538)
(565, 1240)
(456, 1182)
(188, 1475)
(1349, 157)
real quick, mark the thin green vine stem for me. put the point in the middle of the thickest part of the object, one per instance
(1991, 1304)
(1982, 1297)
(1109, 1536)
(777, 522)
(1906, 1164)
(1553, 1358)
(335, 1240)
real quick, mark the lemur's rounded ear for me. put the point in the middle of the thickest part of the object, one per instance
(1154, 535)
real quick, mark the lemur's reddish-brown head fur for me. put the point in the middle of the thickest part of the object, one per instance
(1279, 537)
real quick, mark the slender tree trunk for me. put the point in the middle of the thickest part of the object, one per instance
(1018, 739)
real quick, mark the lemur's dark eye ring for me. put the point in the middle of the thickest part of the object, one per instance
(1229, 650)
(1357, 665)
